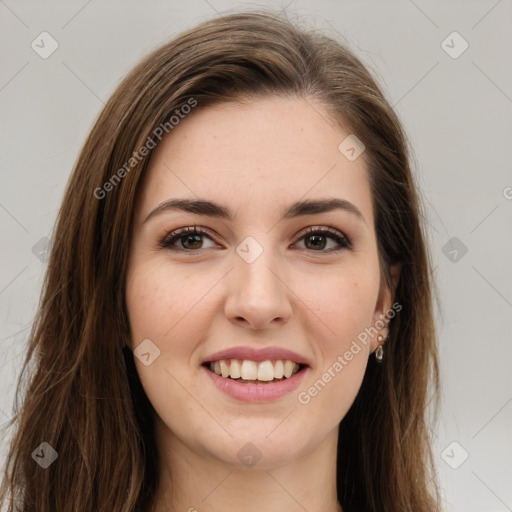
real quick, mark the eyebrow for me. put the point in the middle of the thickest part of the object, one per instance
(213, 209)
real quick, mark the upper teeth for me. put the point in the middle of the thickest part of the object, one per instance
(251, 370)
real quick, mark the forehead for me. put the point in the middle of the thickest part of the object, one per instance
(255, 156)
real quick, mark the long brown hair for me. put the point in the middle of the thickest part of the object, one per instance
(83, 396)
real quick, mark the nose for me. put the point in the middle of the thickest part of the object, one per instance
(259, 293)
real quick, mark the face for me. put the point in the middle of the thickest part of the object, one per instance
(263, 279)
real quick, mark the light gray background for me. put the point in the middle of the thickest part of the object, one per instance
(457, 112)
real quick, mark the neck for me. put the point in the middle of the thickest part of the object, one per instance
(196, 482)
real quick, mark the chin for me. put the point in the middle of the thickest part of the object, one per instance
(264, 446)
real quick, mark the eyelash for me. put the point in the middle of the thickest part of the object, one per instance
(335, 235)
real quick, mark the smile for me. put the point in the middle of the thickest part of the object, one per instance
(252, 381)
(247, 371)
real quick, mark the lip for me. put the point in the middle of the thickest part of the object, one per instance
(257, 355)
(264, 392)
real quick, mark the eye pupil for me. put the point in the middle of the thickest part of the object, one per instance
(192, 239)
(318, 241)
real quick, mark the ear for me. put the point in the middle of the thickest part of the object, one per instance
(383, 307)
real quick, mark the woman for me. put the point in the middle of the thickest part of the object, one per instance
(237, 309)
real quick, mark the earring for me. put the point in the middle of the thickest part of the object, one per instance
(379, 353)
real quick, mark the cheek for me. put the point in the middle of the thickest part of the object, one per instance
(165, 305)
(342, 304)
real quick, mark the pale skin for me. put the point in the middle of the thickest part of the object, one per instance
(255, 158)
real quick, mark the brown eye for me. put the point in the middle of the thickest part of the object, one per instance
(317, 239)
(189, 239)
